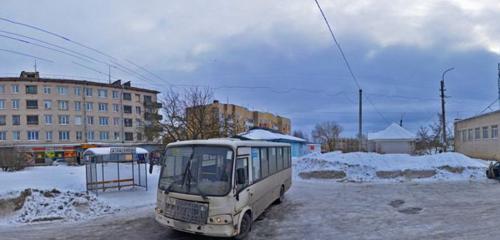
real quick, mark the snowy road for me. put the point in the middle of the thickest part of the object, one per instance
(442, 210)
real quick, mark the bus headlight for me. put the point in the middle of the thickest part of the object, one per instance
(220, 219)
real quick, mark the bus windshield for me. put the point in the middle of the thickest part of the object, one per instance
(200, 170)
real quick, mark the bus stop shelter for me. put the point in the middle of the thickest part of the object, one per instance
(115, 168)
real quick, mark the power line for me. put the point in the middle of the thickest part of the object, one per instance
(26, 55)
(338, 46)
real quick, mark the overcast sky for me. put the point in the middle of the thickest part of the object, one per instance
(397, 49)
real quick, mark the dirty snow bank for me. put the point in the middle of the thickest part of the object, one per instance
(76, 204)
(368, 167)
(33, 205)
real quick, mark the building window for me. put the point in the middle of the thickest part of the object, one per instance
(138, 110)
(138, 97)
(90, 135)
(15, 88)
(116, 121)
(116, 108)
(63, 105)
(103, 121)
(78, 120)
(16, 120)
(89, 106)
(78, 91)
(48, 119)
(46, 90)
(127, 122)
(62, 90)
(485, 132)
(2, 104)
(103, 107)
(127, 109)
(469, 135)
(139, 136)
(3, 136)
(16, 135)
(32, 119)
(15, 103)
(31, 89)
(78, 106)
(147, 99)
(102, 93)
(63, 119)
(47, 104)
(464, 135)
(138, 122)
(79, 135)
(90, 120)
(127, 96)
(116, 94)
(129, 136)
(63, 135)
(103, 135)
(494, 131)
(117, 136)
(32, 135)
(88, 92)
(3, 120)
(477, 133)
(48, 136)
(32, 104)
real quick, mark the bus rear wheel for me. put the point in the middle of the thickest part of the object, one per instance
(282, 195)
(245, 226)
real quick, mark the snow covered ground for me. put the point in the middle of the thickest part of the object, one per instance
(58, 193)
(374, 167)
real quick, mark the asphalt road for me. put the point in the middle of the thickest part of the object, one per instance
(318, 210)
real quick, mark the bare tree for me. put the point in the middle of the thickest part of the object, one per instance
(327, 133)
(424, 141)
(190, 115)
(300, 134)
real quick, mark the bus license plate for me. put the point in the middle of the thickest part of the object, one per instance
(181, 225)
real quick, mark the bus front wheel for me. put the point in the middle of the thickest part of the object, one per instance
(245, 226)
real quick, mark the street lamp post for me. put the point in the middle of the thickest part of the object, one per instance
(443, 112)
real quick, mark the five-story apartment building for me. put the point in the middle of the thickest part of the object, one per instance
(55, 118)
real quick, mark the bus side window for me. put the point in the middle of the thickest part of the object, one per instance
(272, 160)
(287, 157)
(264, 162)
(255, 164)
(242, 166)
(280, 158)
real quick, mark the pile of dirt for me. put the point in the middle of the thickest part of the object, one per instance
(327, 174)
(11, 204)
(452, 169)
(408, 173)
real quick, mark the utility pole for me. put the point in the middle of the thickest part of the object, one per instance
(443, 112)
(360, 131)
(35, 65)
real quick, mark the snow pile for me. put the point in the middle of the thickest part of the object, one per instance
(38, 206)
(366, 167)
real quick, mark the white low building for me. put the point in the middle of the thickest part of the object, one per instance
(393, 139)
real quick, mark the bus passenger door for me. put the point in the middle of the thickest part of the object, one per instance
(242, 181)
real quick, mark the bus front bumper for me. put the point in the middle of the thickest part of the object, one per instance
(225, 230)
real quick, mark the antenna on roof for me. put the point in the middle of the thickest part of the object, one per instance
(35, 65)
(499, 85)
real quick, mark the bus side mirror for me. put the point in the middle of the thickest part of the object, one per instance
(240, 176)
(151, 168)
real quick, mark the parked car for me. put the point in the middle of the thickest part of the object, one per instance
(493, 171)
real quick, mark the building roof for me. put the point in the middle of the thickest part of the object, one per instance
(268, 135)
(73, 81)
(477, 116)
(392, 132)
